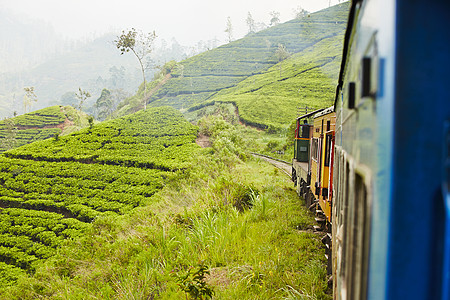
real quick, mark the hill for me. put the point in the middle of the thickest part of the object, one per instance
(224, 74)
(92, 66)
(52, 190)
(40, 125)
(273, 98)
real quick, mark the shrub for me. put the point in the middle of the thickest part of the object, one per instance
(244, 197)
(193, 283)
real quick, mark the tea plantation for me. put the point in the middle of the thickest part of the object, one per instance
(51, 190)
(248, 73)
(38, 125)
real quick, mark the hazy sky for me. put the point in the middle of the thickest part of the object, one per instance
(187, 20)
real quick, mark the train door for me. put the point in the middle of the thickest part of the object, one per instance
(302, 141)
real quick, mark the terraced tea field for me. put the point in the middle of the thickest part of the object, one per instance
(51, 190)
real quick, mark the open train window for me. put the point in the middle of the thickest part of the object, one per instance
(304, 129)
(314, 149)
(327, 150)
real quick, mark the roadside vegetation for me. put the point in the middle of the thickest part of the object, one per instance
(229, 226)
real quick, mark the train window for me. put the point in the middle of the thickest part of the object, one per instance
(346, 236)
(327, 150)
(366, 76)
(314, 149)
(328, 125)
(351, 95)
(304, 131)
(361, 232)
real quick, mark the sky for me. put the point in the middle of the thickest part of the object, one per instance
(188, 21)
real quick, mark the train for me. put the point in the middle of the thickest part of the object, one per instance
(375, 166)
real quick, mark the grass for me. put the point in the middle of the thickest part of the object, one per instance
(264, 251)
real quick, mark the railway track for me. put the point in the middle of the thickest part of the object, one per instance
(280, 164)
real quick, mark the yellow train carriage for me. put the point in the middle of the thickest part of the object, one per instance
(322, 144)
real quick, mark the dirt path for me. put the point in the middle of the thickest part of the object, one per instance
(283, 166)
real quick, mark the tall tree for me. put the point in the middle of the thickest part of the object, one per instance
(274, 18)
(281, 53)
(82, 97)
(250, 23)
(104, 104)
(229, 30)
(141, 45)
(29, 98)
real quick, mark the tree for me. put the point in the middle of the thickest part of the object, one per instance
(104, 104)
(29, 98)
(108, 102)
(229, 30)
(82, 97)
(250, 23)
(275, 18)
(141, 45)
(281, 53)
(300, 13)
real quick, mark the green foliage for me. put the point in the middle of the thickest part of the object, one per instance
(244, 197)
(104, 104)
(226, 139)
(192, 282)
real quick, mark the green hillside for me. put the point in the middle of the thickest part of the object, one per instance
(51, 190)
(40, 125)
(224, 74)
(272, 99)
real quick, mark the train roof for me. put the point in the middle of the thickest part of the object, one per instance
(345, 50)
(324, 112)
(310, 114)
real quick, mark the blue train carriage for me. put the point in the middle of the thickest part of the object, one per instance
(391, 208)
